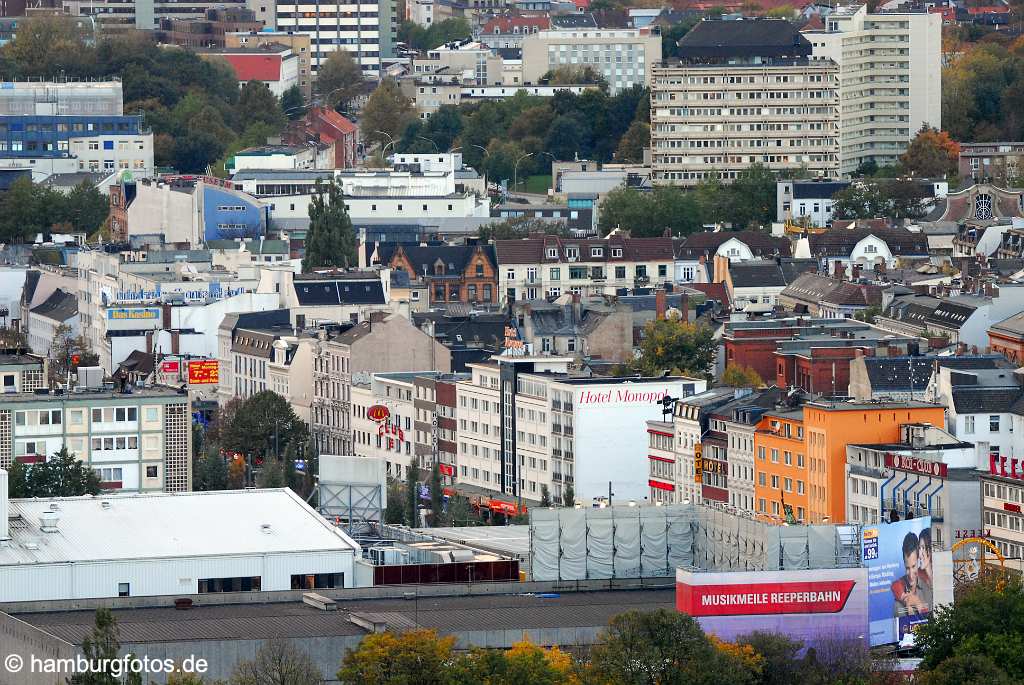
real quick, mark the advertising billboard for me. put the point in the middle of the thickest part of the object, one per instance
(901, 577)
(810, 605)
(203, 372)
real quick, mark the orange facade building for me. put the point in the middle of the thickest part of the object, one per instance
(800, 455)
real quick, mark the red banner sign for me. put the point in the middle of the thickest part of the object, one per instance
(170, 367)
(446, 469)
(810, 597)
(661, 486)
(914, 465)
(378, 413)
(205, 372)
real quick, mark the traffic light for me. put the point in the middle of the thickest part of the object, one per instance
(76, 359)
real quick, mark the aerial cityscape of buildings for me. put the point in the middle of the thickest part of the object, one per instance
(511, 321)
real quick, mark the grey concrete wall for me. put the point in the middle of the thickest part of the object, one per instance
(26, 641)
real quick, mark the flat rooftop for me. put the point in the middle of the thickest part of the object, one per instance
(296, 620)
(168, 525)
(152, 391)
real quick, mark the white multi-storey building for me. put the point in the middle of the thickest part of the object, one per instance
(367, 31)
(137, 441)
(624, 57)
(549, 266)
(525, 424)
(890, 80)
(743, 93)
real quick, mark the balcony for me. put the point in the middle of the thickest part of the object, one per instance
(556, 477)
(556, 453)
(568, 456)
(556, 405)
(642, 280)
(532, 280)
(567, 430)
(567, 407)
(556, 428)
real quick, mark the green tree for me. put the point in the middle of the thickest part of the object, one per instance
(986, 621)
(568, 496)
(22, 212)
(420, 38)
(339, 80)
(752, 197)
(386, 114)
(414, 657)
(662, 647)
(965, 669)
(649, 214)
(293, 105)
(782, 663)
(63, 351)
(412, 494)
(331, 240)
(395, 512)
(676, 346)
(670, 37)
(45, 46)
(277, 663)
(545, 496)
(632, 144)
(739, 376)
(85, 208)
(459, 510)
(211, 471)
(521, 227)
(272, 475)
(571, 75)
(437, 514)
(101, 644)
(257, 105)
(62, 475)
(265, 424)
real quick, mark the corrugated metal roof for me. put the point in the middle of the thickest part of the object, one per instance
(168, 525)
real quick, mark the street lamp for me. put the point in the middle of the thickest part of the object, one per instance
(391, 141)
(515, 170)
(431, 141)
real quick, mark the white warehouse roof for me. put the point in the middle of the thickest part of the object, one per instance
(167, 525)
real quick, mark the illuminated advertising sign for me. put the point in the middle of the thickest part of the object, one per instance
(923, 467)
(133, 313)
(901, 580)
(806, 605)
(698, 463)
(378, 413)
(203, 372)
(170, 367)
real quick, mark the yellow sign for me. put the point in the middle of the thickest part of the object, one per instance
(698, 463)
(972, 557)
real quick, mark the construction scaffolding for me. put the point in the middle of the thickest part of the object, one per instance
(648, 542)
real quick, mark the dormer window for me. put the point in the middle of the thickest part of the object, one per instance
(616, 252)
(597, 252)
(572, 252)
(552, 253)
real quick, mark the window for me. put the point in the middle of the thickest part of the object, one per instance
(151, 471)
(318, 581)
(968, 424)
(244, 584)
(124, 589)
(993, 423)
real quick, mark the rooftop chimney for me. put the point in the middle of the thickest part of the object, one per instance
(659, 304)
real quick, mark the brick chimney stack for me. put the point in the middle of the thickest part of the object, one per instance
(659, 304)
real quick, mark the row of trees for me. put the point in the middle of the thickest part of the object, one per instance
(493, 136)
(193, 105)
(748, 201)
(255, 441)
(983, 92)
(976, 641)
(422, 38)
(29, 208)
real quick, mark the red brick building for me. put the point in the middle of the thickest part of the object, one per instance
(811, 354)
(325, 125)
(1007, 338)
(453, 273)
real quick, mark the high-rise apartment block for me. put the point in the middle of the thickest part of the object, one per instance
(742, 93)
(890, 79)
